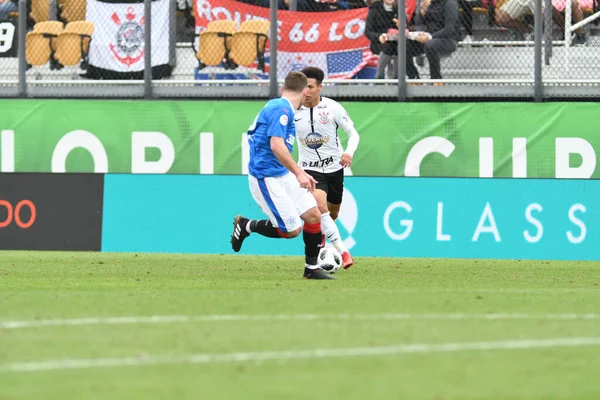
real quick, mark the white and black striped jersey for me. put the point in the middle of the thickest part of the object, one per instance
(319, 147)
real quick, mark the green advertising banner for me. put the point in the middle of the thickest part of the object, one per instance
(397, 139)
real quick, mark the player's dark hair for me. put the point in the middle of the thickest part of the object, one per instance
(295, 81)
(314, 73)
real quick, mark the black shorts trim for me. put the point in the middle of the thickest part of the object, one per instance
(331, 183)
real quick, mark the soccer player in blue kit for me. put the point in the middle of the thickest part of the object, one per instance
(280, 187)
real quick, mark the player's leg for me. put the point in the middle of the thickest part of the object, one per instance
(306, 207)
(328, 226)
(272, 198)
(312, 244)
(334, 202)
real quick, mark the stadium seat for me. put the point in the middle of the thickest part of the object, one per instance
(73, 44)
(40, 10)
(258, 26)
(222, 25)
(215, 42)
(248, 44)
(213, 49)
(72, 10)
(50, 27)
(40, 43)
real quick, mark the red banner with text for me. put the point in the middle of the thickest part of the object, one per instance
(333, 41)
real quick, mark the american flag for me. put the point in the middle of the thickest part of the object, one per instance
(336, 65)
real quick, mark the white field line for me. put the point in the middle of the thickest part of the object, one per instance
(296, 354)
(157, 319)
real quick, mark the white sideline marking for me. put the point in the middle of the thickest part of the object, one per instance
(287, 317)
(296, 354)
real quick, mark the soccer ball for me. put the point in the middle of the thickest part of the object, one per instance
(329, 260)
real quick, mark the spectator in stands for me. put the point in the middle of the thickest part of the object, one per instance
(558, 13)
(311, 5)
(512, 13)
(282, 4)
(314, 6)
(442, 32)
(7, 6)
(351, 4)
(382, 16)
(467, 17)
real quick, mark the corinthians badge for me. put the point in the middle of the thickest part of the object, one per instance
(129, 47)
(324, 117)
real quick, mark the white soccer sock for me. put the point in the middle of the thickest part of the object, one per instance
(332, 232)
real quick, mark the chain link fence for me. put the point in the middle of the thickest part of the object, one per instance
(222, 48)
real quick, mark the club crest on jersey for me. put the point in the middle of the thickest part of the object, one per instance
(314, 140)
(324, 117)
(291, 220)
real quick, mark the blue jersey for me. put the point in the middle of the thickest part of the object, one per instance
(275, 119)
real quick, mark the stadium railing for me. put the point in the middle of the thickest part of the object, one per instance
(98, 48)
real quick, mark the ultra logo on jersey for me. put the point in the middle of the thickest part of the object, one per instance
(320, 163)
(314, 140)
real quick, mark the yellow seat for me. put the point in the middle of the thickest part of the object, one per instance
(244, 48)
(37, 48)
(83, 28)
(213, 49)
(249, 43)
(222, 25)
(72, 10)
(40, 44)
(49, 27)
(73, 44)
(68, 49)
(258, 26)
(215, 42)
(40, 10)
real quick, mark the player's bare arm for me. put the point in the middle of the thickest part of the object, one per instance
(283, 155)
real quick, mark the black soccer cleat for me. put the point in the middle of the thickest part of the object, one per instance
(239, 232)
(316, 274)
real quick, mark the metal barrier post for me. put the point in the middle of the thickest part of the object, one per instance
(53, 10)
(148, 49)
(273, 85)
(537, 73)
(548, 30)
(402, 85)
(22, 34)
(568, 16)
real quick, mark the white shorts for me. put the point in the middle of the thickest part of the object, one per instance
(282, 199)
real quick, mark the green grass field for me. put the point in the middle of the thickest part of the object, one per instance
(77, 326)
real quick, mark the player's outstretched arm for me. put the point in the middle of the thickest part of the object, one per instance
(283, 155)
